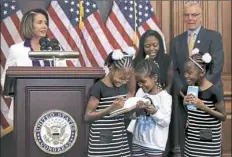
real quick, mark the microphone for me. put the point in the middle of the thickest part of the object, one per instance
(55, 45)
(45, 44)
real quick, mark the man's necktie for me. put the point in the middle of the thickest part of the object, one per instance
(191, 43)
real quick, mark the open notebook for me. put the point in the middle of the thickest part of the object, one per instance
(129, 105)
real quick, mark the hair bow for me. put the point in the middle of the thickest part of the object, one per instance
(195, 51)
(206, 58)
(118, 54)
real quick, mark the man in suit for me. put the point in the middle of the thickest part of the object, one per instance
(196, 36)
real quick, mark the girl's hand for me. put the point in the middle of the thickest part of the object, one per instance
(117, 104)
(7, 97)
(187, 99)
(151, 109)
(140, 108)
(197, 102)
(141, 105)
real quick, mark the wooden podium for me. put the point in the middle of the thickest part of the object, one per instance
(37, 90)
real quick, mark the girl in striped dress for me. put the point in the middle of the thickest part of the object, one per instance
(203, 128)
(107, 135)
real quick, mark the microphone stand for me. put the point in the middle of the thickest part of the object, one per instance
(54, 61)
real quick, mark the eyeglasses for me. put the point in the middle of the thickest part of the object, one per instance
(192, 15)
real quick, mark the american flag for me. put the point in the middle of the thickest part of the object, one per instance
(92, 41)
(127, 16)
(11, 16)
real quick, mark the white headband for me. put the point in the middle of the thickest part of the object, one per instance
(196, 63)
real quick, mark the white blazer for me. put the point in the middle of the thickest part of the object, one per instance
(18, 56)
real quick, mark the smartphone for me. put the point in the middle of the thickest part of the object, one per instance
(192, 90)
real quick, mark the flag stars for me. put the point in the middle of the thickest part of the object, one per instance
(71, 10)
(140, 10)
(87, 3)
(4, 12)
(94, 5)
(131, 16)
(6, 5)
(72, 3)
(76, 19)
(13, 7)
(87, 10)
(66, 2)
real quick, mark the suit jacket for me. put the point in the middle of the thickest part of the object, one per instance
(207, 41)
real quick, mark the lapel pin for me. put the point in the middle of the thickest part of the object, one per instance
(198, 41)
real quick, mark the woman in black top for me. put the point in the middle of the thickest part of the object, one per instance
(151, 46)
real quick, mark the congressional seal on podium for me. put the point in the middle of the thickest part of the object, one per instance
(55, 132)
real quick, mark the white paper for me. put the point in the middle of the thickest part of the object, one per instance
(129, 105)
(131, 126)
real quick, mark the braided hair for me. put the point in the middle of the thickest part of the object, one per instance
(152, 69)
(125, 62)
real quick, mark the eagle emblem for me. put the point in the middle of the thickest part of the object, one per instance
(55, 132)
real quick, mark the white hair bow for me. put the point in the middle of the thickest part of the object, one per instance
(206, 57)
(118, 54)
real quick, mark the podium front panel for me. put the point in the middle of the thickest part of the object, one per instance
(36, 96)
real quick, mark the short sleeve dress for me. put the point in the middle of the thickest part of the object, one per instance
(108, 136)
(199, 120)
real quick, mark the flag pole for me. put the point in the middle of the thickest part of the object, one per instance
(135, 25)
(81, 15)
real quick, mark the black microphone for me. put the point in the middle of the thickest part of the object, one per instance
(45, 44)
(55, 45)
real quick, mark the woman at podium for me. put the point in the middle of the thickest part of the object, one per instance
(34, 27)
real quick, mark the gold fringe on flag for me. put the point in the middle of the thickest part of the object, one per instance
(81, 24)
(6, 130)
(135, 25)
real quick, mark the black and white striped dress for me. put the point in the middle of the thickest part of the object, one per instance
(108, 136)
(198, 120)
